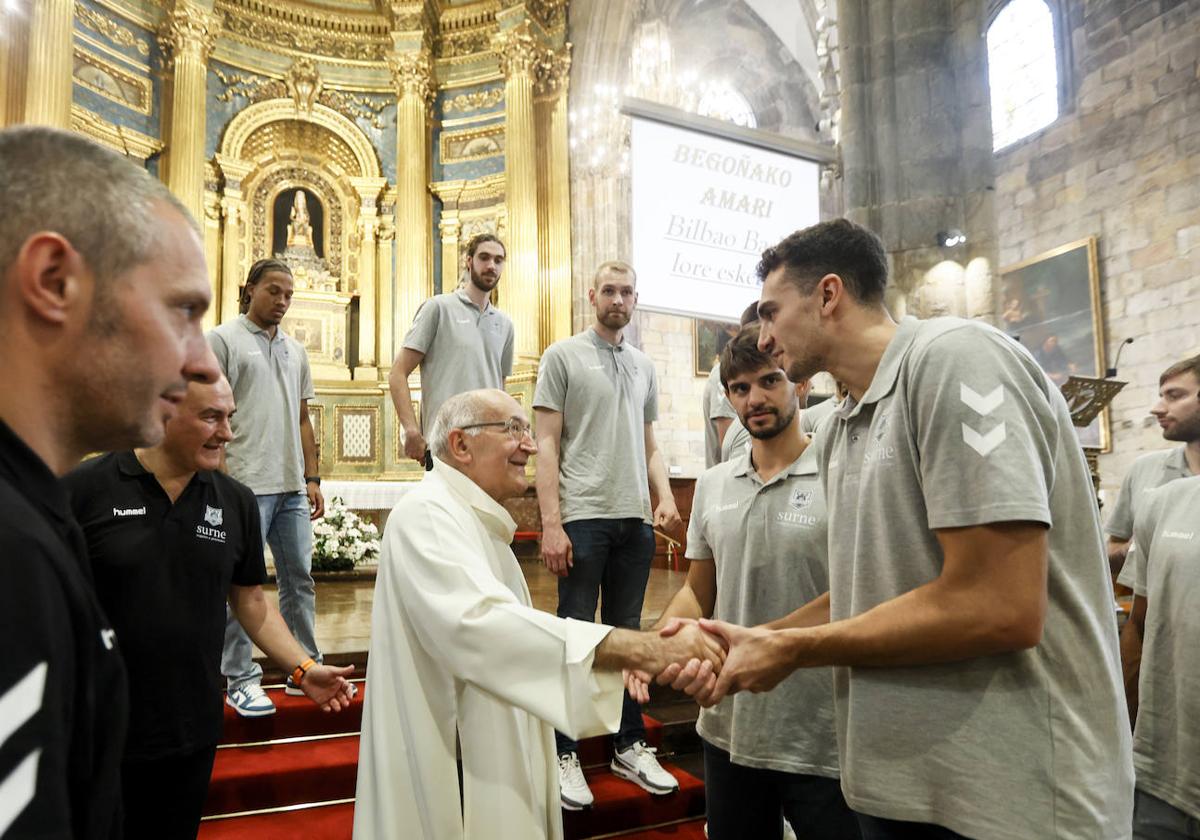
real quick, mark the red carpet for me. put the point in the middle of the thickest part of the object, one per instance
(301, 782)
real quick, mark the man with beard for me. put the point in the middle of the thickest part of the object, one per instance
(1178, 414)
(268, 371)
(757, 545)
(461, 343)
(102, 292)
(969, 606)
(596, 403)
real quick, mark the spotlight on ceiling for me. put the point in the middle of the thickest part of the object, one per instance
(950, 238)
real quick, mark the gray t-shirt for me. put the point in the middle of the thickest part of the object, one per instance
(812, 417)
(606, 395)
(269, 377)
(1148, 471)
(715, 407)
(961, 427)
(1166, 739)
(769, 545)
(465, 349)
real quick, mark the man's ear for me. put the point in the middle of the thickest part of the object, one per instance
(832, 288)
(51, 278)
(460, 450)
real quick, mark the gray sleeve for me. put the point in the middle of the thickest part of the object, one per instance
(716, 405)
(1138, 559)
(424, 327)
(506, 358)
(650, 408)
(220, 350)
(697, 547)
(551, 391)
(736, 437)
(986, 431)
(307, 392)
(1120, 523)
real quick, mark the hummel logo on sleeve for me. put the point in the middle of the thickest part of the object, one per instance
(984, 444)
(982, 405)
(18, 705)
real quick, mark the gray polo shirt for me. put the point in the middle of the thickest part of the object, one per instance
(465, 349)
(606, 395)
(769, 545)
(270, 377)
(961, 427)
(738, 437)
(812, 417)
(1166, 739)
(715, 407)
(1148, 471)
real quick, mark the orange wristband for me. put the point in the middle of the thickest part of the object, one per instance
(301, 670)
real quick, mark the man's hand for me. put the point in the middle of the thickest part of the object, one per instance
(666, 516)
(682, 641)
(328, 687)
(556, 551)
(316, 501)
(757, 661)
(637, 683)
(414, 444)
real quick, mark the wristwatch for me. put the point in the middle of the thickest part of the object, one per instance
(312, 479)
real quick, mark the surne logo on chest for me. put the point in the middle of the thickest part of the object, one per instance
(212, 532)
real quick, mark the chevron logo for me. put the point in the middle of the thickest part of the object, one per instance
(980, 404)
(18, 705)
(984, 444)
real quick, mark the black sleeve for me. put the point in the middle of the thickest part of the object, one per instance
(37, 673)
(250, 568)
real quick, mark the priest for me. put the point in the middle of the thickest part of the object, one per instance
(458, 650)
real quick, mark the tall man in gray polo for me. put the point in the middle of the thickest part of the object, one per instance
(274, 453)
(1162, 661)
(1178, 414)
(596, 403)
(461, 343)
(969, 618)
(758, 545)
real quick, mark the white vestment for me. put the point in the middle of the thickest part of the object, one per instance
(457, 648)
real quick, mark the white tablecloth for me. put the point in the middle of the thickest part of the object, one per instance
(367, 495)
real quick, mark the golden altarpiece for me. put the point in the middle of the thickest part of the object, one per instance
(363, 141)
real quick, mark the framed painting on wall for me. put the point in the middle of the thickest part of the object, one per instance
(1051, 305)
(708, 340)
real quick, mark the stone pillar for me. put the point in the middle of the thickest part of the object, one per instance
(385, 321)
(368, 190)
(411, 74)
(519, 53)
(50, 59)
(187, 39)
(554, 199)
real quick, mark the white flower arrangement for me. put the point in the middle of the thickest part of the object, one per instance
(342, 539)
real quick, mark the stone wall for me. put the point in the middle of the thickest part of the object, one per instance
(1123, 164)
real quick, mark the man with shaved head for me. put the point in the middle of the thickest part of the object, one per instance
(458, 653)
(170, 539)
(102, 291)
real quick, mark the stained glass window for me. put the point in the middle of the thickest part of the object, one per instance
(1022, 71)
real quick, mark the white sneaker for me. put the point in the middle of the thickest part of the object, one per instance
(572, 786)
(639, 765)
(250, 701)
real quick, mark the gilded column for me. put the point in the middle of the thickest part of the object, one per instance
(385, 320)
(411, 74)
(519, 54)
(450, 228)
(368, 227)
(187, 39)
(235, 217)
(554, 199)
(51, 50)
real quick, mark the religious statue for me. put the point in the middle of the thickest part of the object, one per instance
(300, 227)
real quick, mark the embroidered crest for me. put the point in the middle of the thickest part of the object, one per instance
(801, 498)
(881, 426)
(213, 516)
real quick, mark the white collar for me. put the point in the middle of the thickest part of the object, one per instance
(491, 513)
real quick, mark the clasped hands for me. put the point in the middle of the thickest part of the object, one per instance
(732, 659)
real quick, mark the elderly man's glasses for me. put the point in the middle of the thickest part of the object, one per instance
(516, 429)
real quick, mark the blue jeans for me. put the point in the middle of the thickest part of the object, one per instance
(1154, 819)
(610, 556)
(751, 803)
(286, 527)
(877, 828)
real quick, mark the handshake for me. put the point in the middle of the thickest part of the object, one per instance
(705, 659)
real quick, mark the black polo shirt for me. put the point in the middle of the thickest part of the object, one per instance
(62, 682)
(163, 572)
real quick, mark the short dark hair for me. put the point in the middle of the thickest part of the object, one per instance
(479, 238)
(260, 268)
(741, 355)
(750, 315)
(838, 247)
(1191, 366)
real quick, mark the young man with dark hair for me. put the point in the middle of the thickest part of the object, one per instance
(102, 293)
(1178, 414)
(757, 543)
(596, 403)
(461, 343)
(272, 384)
(170, 540)
(969, 618)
